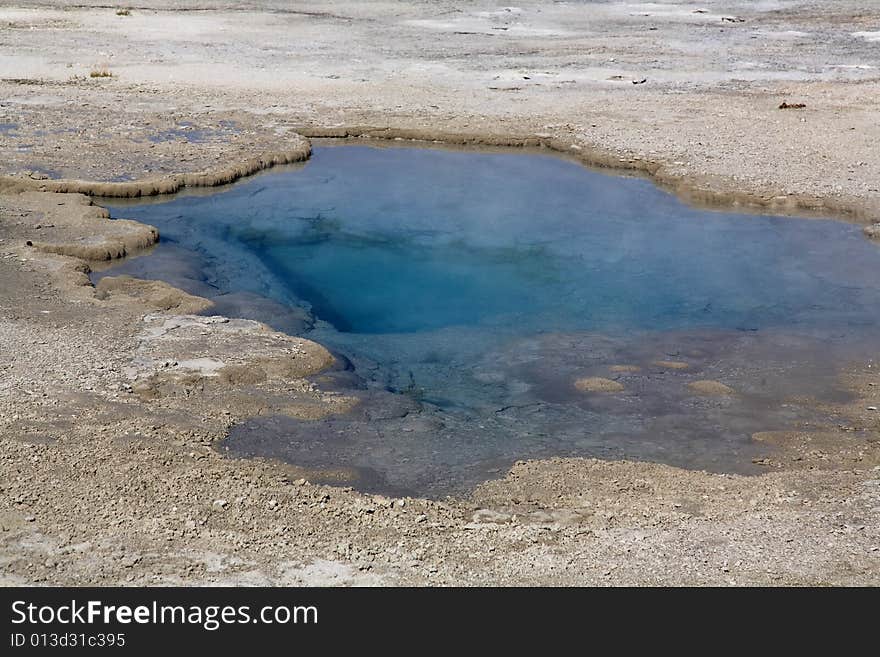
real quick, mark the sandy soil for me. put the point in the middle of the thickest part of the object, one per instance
(111, 399)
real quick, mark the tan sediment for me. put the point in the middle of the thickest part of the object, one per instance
(711, 388)
(72, 225)
(152, 295)
(298, 151)
(597, 384)
(671, 364)
(240, 365)
(873, 231)
(137, 236)
(625, 368)
(777, 437)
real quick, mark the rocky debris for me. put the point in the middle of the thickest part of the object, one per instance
(873, 231)
(488, 516)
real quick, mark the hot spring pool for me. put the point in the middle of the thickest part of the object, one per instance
(466, 292)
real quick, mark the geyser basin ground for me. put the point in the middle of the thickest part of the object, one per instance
(488, 307)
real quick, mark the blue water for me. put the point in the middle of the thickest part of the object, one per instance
(467, 282)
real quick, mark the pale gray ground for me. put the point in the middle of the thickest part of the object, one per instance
(107, 479)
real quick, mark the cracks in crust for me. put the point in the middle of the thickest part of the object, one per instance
(517, 407)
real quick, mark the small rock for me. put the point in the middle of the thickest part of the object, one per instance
(222, 504)
(130, 562)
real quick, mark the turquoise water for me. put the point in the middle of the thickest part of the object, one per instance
(454, 284)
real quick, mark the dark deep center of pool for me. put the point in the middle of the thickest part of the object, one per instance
(474, 283)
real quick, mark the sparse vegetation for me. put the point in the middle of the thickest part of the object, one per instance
(100, 73)
(123, 12)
